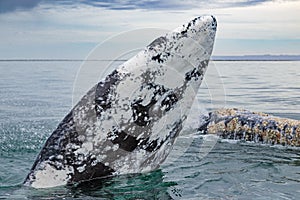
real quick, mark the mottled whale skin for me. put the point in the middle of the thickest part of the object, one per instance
(127, 122)
(239, 124)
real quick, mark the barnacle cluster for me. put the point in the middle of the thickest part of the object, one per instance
(238, 124)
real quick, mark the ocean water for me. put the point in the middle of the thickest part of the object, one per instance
(35, 96)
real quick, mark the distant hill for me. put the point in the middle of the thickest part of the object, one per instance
(258, 58)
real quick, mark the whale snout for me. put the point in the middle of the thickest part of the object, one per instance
(207, 20)
(206, 23)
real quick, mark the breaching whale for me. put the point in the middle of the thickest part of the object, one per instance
(244, 125)
(127, 122)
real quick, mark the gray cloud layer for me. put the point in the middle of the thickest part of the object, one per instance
(12, 5)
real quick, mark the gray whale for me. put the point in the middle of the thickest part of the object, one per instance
(127, 122)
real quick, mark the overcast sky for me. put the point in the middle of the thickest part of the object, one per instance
(72, 28)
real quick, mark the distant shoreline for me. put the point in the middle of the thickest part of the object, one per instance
(257, 58)
(64, 60)
(53, 60)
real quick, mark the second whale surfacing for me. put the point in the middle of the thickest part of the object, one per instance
(244, 125)
(128, 122)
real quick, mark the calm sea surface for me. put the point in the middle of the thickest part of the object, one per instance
(35, 96)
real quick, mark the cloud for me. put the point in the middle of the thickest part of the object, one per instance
(12, 5)
(165, 4)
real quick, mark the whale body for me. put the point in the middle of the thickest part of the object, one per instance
(244, 125)
(127, 122)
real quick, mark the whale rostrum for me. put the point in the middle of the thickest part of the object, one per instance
(128, 121)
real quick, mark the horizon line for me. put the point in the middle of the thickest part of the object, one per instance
(265, 57)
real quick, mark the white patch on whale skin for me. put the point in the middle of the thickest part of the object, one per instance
(131, 163)
(50, 177)
(146, 99)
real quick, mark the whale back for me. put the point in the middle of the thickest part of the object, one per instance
(244, 125)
